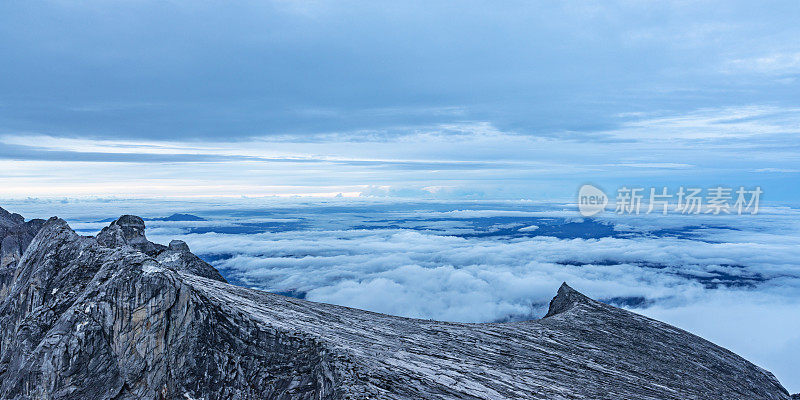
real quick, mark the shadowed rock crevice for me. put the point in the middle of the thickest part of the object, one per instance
(115, 318)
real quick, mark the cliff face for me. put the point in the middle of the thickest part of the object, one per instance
(15, 236)
(114, 317)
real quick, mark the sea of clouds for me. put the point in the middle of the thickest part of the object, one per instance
(734, 280)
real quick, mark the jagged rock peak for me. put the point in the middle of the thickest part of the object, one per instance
(57, 222)
(15, 235)
(132, 227)
(565, 299)
(10, 219)
(178, 245)
(128, 230)
(52, 228)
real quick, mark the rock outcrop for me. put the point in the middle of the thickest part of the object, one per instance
(129, 230)
(15, 236)
(112, 317)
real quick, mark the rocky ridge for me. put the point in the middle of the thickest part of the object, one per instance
(15, 236)
(129, 230)
(118, 317)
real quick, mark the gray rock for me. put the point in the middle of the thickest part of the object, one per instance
(179, 258)
(86, 320)
(15, 235)
(129, 230)
(178, 245)
(132, 227)
(10, 219)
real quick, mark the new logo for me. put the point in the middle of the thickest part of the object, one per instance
(591, 200)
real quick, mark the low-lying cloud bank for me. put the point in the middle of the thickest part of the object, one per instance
(732, 279)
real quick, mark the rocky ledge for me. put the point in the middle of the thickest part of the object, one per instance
(118, 317)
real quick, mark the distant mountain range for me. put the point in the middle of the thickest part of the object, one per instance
(116, 316)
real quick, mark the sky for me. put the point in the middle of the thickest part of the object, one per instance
(410, 99)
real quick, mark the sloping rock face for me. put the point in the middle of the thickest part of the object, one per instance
(88, 321)
(87, 318)
(15, 236)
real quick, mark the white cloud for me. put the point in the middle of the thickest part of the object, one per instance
(778, 170)
(723, 123)
(426, 275)
(772, 64)
(408, 259)
(761, 327)
(467, 160)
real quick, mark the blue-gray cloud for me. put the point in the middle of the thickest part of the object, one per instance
(181, 69)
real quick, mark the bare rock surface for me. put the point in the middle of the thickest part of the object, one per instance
(15, 236)
(129, 230)
(114, 318)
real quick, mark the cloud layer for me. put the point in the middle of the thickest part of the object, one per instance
(732, 279)
(735, 280)
(739, 146)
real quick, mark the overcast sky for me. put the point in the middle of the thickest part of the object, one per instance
(429, 98)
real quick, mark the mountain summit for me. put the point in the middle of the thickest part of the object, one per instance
(118, 317)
